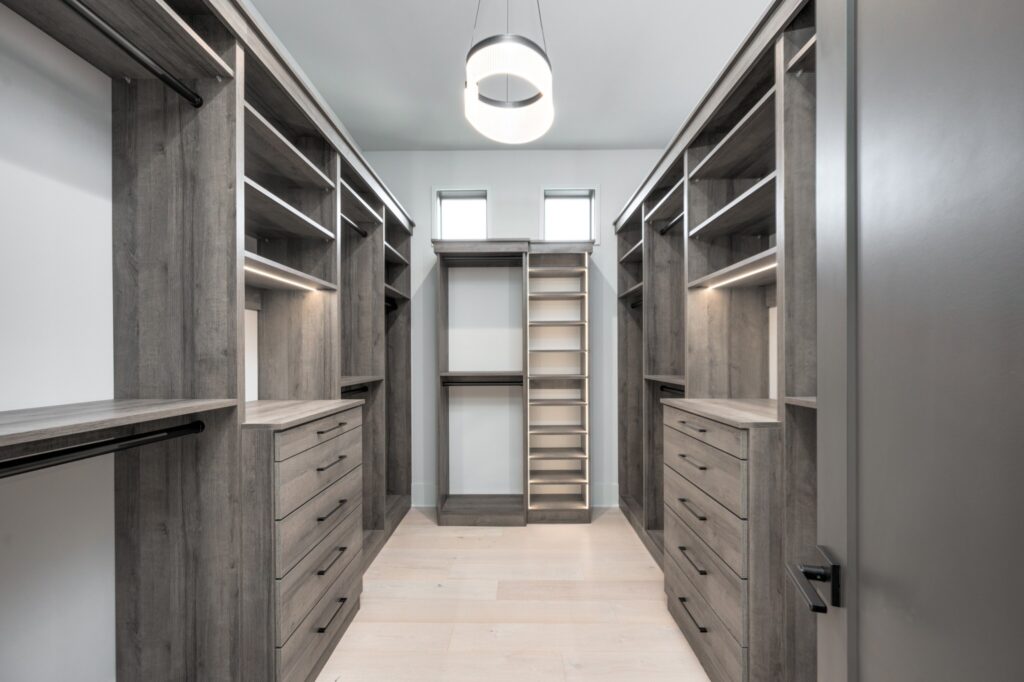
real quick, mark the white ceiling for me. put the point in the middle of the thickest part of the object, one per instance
(626, 72)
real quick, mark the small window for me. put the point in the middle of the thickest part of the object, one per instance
(462, 214)
(568, 215)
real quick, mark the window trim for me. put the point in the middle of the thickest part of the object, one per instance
(570, 192)
(440, 193)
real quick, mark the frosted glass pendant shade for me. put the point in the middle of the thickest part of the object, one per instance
(514, 122)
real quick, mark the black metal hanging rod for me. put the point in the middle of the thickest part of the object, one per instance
(135, 53)
(355, 391)
(51, 458)
(672, 389)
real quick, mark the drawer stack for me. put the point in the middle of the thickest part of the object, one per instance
(302, 532)
(723, 501)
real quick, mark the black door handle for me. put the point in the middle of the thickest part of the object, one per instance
(801, 576)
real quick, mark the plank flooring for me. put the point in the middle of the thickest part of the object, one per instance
(565, 603)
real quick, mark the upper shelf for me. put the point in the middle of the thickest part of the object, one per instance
(635, 254)
(263, 273)
(556, 271)
(755, 271)
(392, 255)
(152, 26)
(635, 290)
(269, 152)
(391, 293)
(805, 59)
(748, 150)
(671, 205)
(355, 207)
(43, 423)
(267, 215)
(752, 210)
(558, 296)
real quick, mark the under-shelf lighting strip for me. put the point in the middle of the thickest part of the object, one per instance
(737, 278)
(278, 278)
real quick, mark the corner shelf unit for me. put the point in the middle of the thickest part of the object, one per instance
(555, 381)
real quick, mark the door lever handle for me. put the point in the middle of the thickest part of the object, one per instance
(801, 576)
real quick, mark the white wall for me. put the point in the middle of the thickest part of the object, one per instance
(515, 180)
(56, 346)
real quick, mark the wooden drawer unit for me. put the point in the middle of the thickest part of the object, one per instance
(717, 583)
(320, 630)
(723, 531)
(304, 475)
(299, 438)
(300, 589)
(724, 519)
(302, 533)
(718, 651)
(719, 474)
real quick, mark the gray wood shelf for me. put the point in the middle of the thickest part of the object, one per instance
(558, 296)
(392, 255)
(557, 402)
(542, 502)
(264, 273)
(747, 150)
(18, 427)
(268, 215)
(268, 152)
(754, 271)
(355, 208)
(635, 254)
(392, 293)
(480, 378)
(285, 414)
(558, 453)
(348, 381)
(810, 402)
(672, 379)
(670, 205)
(557, 323)
(556, 271)
(556, 478)
(557, 430)
(635, 290)
(753, 210)
(805, 59)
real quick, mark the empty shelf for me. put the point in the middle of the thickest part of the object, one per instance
(267, 215)
(557, 350)
(755, 271)
(557, 477)
(752, 211)
(556, 271)
(557, 323)
(673, 379)
(391, 255)
(360, 380)
(558, 296)
(498, 510)
(481, 378)
(810, 402)
(671, 205)
(635, 290)
(557, 453)
(264, 273)
(805, 59)
(269, 152)
(557, 377)
(746, 151)
(540, 502)
(58, 421)
(394, 294)
(635, 253)
(556, 402)
(355, 208)
(558, 430)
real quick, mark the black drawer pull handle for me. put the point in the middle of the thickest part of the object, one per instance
(690, 507)
(321, 519)
(340, 425)
(341, 552)
(700, 571)
(700, 628)
(322, 630)
(692, 462)
(698, 429)
(322, 469)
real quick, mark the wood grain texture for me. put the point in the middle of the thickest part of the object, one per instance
(739, 413)
(300, 345)
(278, 415)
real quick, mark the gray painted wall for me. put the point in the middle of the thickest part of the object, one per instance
(515, 180)
(56, 346)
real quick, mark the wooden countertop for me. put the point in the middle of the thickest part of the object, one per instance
(55, 421)
(741, 413)
(284, 414)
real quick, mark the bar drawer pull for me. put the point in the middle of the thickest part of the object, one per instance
(322, 630)
(700, 628)
(340, 425)
(698, 429)
(341, 551)
(700, 571)
(690, 507)
(337, 461)
(692, 462)
(321, 519)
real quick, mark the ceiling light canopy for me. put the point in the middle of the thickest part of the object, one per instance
(509, 121)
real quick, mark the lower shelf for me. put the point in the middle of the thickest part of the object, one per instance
(482, 510)
(560, 501)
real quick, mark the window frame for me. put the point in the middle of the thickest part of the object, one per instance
(571, 192)
(440, 194)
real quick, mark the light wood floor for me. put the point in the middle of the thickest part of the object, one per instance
(539, 603)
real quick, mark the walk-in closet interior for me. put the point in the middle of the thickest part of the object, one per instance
(576, 341)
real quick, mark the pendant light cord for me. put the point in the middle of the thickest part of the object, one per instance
(476, 20)
(540, 18)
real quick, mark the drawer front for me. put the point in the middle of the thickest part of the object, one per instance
(717, 473)
(320, 631)
(721, 588)
(305, 584)
(721, 436)
(310, 523)
(301, 477)
(293, 441)
(721, 655)
(724, 532)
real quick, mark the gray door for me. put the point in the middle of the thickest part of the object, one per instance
(921, 376)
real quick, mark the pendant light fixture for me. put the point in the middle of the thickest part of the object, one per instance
(509, 121)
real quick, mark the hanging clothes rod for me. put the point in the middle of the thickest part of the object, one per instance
(135, 53)
(51, 458)
(355, 391)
